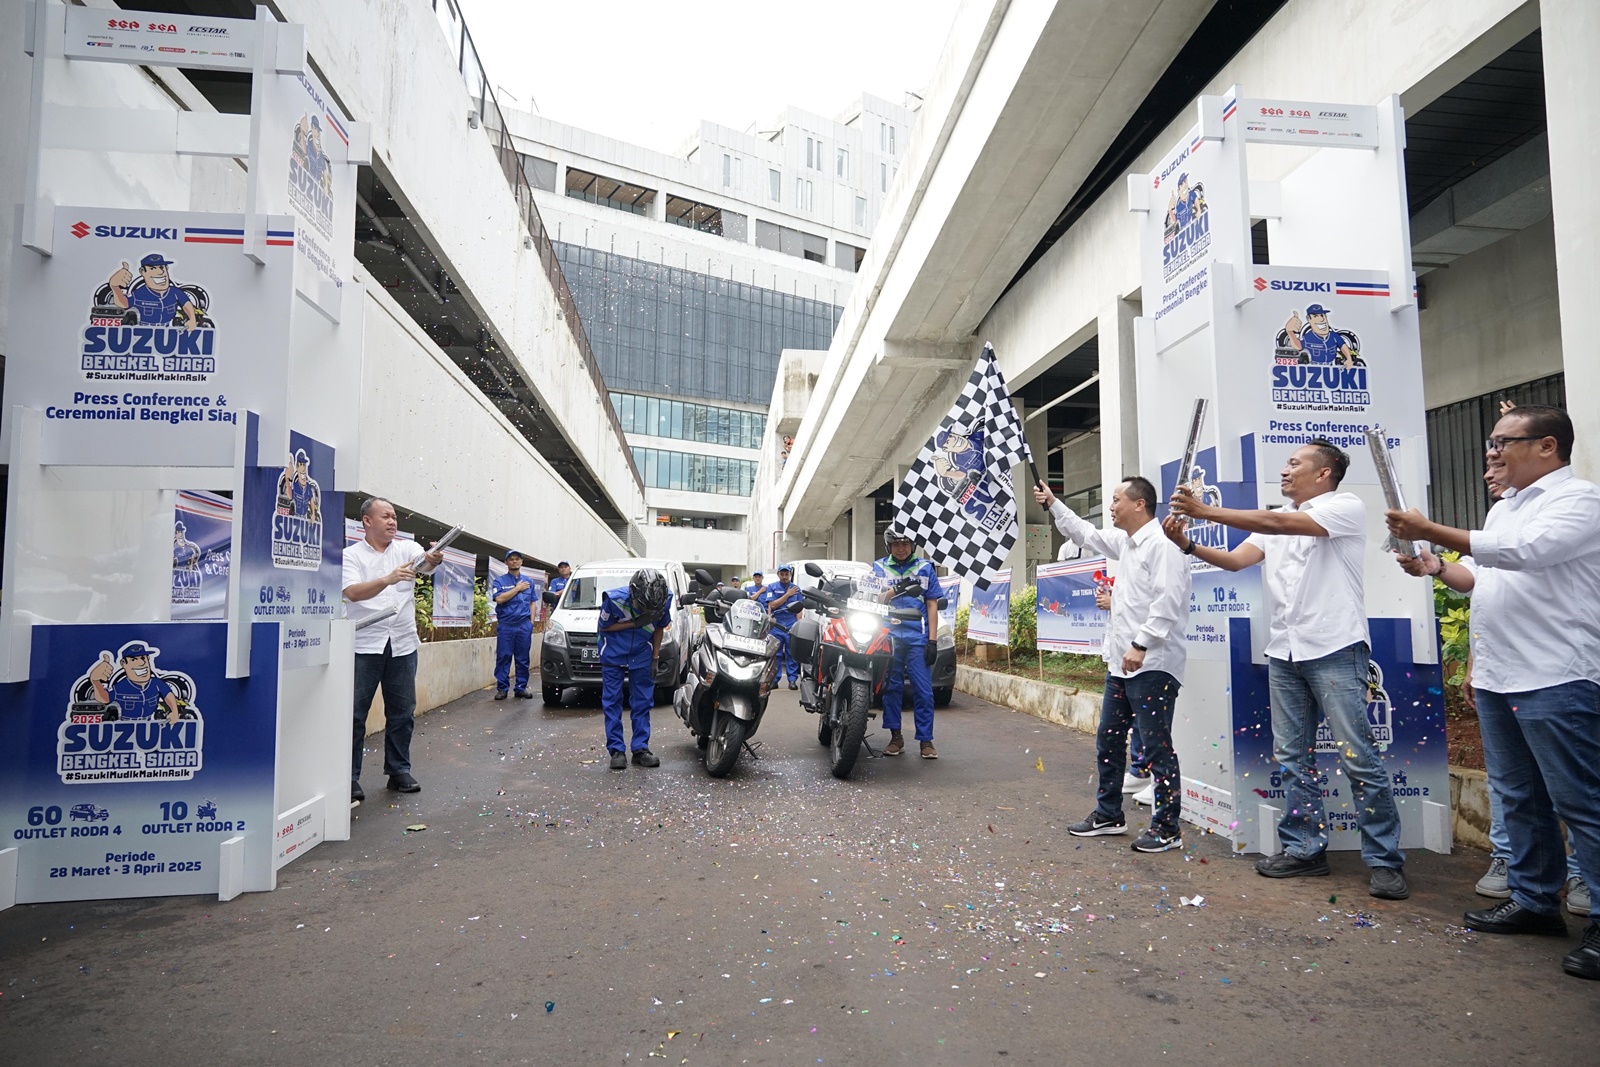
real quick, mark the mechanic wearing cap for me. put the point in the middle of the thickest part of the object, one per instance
(782, 601)
(513, 612)
(753, 587)
(185, 553)
(915, 643)
(559, 582)
(140, 693)
(303, 495)
(153, 296)
(632, 620)
(1317, 341)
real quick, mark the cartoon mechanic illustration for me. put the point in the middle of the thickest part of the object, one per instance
(959, 459)
(298, 493)
(1317, 341)
(1209, 494)
(185, 553)
(308, 146)
(139, 692)
(1184, 205)
(153, 295)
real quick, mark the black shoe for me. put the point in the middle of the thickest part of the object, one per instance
(619, 761)
(1509, 917)
(356, 795)
(1097, 825)
(1150, 841)
(794, 685)
(1388, 883)
(1584, 961)
(499, 694)
(404, 783)
(1284, 865)
(523, 694)
(643, 757)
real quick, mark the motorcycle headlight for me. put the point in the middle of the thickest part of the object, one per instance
(555, 636)
(863, 626)
(738, 668)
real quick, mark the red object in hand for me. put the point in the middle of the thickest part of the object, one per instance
(1102, 578)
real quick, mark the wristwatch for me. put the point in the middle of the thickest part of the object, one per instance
(1188, 549)
(1138, 647)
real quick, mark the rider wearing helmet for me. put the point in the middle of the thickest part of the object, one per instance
(782, 600)
(632, 620)
(915, 643)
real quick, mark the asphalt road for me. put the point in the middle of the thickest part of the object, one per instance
(557, 912)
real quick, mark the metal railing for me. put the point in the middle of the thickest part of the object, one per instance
(492, 121)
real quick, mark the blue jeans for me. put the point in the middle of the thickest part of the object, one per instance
(513, 640)
(1543, 752)
(1335, 685)
(1500, 841)
(641, 692)
(908, 661)
(1144, 701)
(1138, 754)
(398, 676)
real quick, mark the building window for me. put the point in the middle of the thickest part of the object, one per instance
(802, 194)
(608, 192)
(541, 173)
(791, 242)
(727, 171)
(684, 420)
(861, 212)
(813, 153)
(775, 186)
(891, 141)
(883, 137)
(841, 164)
(692, 473)
(848, 257)
(694, 216)
(883, 177)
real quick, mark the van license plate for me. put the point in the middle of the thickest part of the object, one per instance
(589, 655)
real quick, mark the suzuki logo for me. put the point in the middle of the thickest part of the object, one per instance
(1261, 284)
(80, 230)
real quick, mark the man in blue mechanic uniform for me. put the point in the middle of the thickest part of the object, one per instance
(559, 582)
(1318, 341)
(782, 601)
(632, 620)
(140, 693)
(513, 610)
(753, 587)
(915, 643)
(155, 297)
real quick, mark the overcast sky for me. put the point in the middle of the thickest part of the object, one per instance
(647, 71)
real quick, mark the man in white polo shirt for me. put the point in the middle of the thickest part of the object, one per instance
(379, 575)
(1534, 575)
(1317, 656)
(1144, 654)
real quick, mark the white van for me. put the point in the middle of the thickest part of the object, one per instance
(569, 655)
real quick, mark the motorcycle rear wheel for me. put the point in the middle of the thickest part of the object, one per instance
(846, 740)
(727, 738)
(824, 730)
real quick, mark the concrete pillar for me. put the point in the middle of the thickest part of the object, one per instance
(863, 524)
(1572, 84)
(1119, 402)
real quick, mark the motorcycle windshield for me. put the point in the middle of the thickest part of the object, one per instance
(746, 618)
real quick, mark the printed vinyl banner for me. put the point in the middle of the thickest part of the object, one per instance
(202, 545)
(147, 333)
(1068, 620)
(453, 589)
(127, 759)
(289, 572)
(990, 617)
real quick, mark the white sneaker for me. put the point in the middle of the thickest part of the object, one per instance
(1146, 796)
(1132, 782)
(1577, 896)
(1493, 883)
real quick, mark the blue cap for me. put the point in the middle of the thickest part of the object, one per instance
(315, 123)
(786, 567)
(180, 527)
(1182, 178)
(563, 563)
(136, 648)
(155, 259)
(300, 456)
(512, 552)
(1316, 309)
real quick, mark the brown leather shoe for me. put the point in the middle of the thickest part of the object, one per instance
(928, 751)
(896, 745)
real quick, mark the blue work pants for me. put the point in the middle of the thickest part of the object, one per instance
(641, 692)
(513, 640)
(909, 663)
(788, 666)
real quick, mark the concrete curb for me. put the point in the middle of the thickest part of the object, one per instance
(449, 670)
(1065, 706)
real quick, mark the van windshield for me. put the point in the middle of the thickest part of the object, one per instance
(584, 591)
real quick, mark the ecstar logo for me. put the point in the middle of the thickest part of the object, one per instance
(80, 230)
(1261, 284)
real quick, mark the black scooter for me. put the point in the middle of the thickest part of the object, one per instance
(731, 670)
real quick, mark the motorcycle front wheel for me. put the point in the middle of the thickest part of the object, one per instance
(727, 738)
(852, 729)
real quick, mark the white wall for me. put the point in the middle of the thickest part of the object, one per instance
(693, 547)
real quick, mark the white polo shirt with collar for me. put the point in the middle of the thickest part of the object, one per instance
(363, 563)
(1536, 597)
(1316, 596)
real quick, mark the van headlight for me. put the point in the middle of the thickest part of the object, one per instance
(947, 638)
(555, 636)
(863, 626)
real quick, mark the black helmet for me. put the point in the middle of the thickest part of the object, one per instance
(897, 533)
(647, 590)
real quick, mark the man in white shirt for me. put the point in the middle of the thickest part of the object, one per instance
(1534, 575)
(379, 575)
(1317, 657)
(1144, 654)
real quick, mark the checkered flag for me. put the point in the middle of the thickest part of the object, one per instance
(957, 499)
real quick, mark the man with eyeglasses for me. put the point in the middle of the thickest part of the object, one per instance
(1533, 572)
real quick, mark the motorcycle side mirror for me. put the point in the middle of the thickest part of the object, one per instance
(551, 598)
(735, 594)
(944, 602)
(814, 570)
(703, 576)
(688, 599)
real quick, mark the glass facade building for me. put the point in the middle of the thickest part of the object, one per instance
(701, 423)
(695, 473)
(660, 329)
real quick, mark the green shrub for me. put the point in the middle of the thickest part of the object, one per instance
(1453, 610)
(963, 613)
(482, 615)
(1024, 626)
